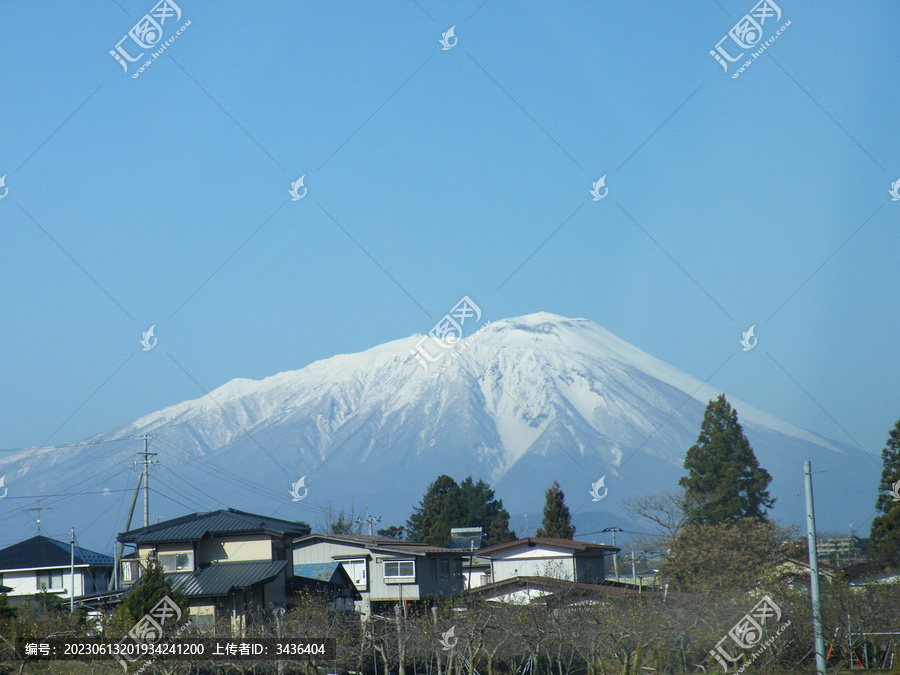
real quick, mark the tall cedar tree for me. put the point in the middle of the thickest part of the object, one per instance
(884, 539)
(557, 522)
(447, 504)
(724, 480)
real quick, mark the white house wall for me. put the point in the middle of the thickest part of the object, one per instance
(24, 582)
(533, 561)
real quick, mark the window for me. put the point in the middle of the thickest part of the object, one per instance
(50, 581)
(445, 568)
(399, 569)
(176, 562)
(131, 570)
(356, 570)
(433, 564)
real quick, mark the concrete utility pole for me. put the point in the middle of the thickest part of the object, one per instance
(814, 572)
(370, 520)
(121, 548)
(616, 554)
(146, 462)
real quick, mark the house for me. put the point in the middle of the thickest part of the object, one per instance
(226, 563)
(43, 564)
(565, 559)
(330, 579)
(527, 590)
(794, 573)
(386, 571)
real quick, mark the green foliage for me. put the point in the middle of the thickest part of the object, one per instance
(6, 610)
(344, 524)
(393, 532)
(482, 510)
(557, 522)
(725, 481)
(152, 587)
(884, 540)
(447, 504)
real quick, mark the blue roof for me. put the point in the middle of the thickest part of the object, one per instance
(317, 571)
(41, 551)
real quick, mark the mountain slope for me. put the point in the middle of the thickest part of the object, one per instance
(525, 401)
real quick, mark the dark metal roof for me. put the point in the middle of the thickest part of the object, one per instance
(551, 585)
(41, 551)
(574, 546)
(197, 526)
(385, 544)
(221, 578)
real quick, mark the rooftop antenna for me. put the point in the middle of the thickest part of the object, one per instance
(39, 508)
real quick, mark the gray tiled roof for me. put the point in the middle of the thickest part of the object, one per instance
(221, 578)
(41, 551)
(197, 526)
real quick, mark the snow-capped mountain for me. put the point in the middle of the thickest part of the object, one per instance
(522, 402)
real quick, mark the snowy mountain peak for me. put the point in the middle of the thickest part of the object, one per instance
(519, 402)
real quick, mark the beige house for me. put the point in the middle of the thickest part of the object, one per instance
(228, 564)
(386, 571)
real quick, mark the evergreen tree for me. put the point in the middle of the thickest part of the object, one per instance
(448, 504)
(884, 540)
(440, 509)
(480, 509)
(143, 596)
(557, 522)
(393, 532)
(724, 481)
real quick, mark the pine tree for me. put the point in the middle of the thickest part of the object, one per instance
(725, 481)
(884, 539)
(447, 504)
(557, 522)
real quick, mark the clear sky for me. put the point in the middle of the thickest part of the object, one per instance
(434, 173)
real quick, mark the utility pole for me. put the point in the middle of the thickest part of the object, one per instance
(121, 548)
(616, 554)
(146, 461)
(633, 579)
(279, 614)
(370, 520)
(72, 572)
(814, 571)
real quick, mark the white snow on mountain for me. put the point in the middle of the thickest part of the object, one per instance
(525, 401)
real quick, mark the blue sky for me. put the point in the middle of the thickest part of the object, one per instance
(432, 174)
